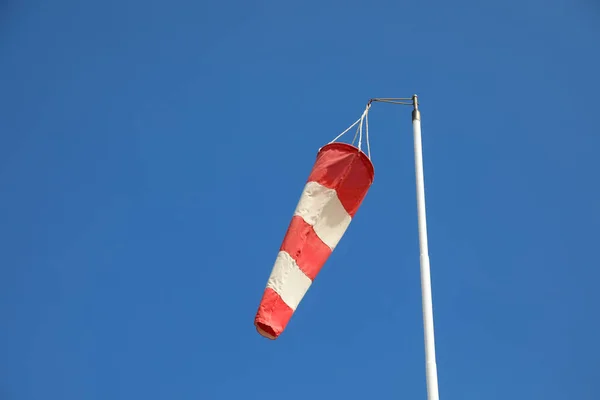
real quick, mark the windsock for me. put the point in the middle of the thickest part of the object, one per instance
(339, 180)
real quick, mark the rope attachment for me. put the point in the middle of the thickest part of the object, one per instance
(364, 119)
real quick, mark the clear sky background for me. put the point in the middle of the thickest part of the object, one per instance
(152, 154)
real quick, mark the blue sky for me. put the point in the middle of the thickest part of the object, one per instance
(152, 153)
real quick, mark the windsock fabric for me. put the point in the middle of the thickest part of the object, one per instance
(335, 189)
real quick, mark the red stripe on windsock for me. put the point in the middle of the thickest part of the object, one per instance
(349, 173)
(273, 314)
(304, 246)
(346, 169)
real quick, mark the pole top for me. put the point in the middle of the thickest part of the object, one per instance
(416, 114)
(414, 101)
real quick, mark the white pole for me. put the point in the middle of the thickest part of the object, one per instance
(430, 364)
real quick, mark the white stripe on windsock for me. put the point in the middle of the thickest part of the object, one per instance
(320, 207)
(288, 280)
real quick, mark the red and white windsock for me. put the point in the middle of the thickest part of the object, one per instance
(337, 185)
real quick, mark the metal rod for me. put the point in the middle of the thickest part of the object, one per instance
(430, 363)
(393, 98)
(399, 100)
(395, 102)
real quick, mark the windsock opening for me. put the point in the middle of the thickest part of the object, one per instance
(265, 330)
(344, 150)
